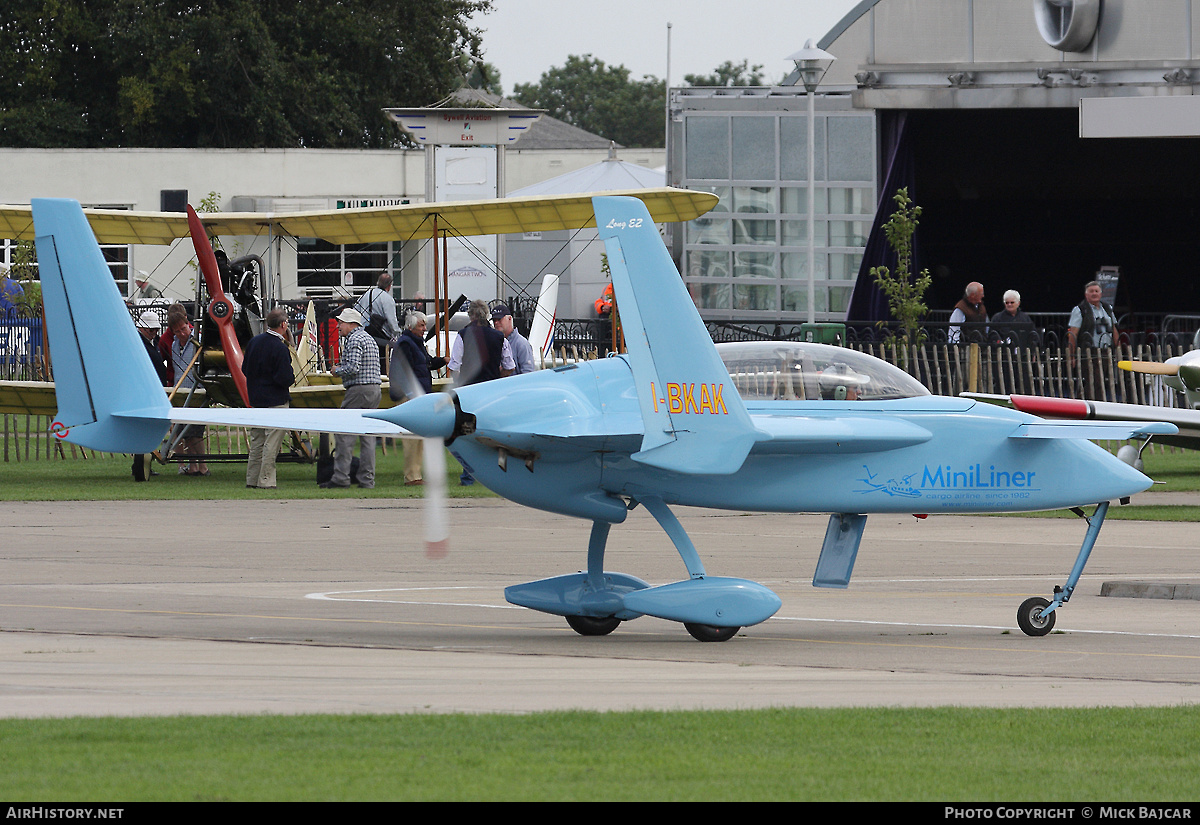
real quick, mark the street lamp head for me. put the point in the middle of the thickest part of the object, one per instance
(811, 65)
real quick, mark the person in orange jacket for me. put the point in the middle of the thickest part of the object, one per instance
(604, 303)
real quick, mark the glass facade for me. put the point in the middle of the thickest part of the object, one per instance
(748, 258)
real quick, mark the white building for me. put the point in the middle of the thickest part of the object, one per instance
(276, 180)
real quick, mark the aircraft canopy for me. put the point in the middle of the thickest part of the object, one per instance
(798, 370)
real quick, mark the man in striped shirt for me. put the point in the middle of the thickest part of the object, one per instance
(359, 371)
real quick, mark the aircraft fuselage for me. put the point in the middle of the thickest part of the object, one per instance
(581, 453)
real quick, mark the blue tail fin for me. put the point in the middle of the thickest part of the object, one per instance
(109, 396)
(694, 419)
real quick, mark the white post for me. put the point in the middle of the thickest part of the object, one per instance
(811, 64)
(812, 201)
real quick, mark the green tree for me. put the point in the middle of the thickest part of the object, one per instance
(228, 73)
(906, 295)
(601, 99)
(728, 74)
(479, 74)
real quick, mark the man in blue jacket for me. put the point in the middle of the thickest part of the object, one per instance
(267, 366)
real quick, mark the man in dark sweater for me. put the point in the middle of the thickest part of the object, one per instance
(267, 366)
(478, 354)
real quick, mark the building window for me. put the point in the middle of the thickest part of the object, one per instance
(325, 270)
(748, 257)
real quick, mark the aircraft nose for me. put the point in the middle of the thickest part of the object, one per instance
(1116, 478)
(430, 416)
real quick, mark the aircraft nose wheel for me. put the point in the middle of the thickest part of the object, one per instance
(592, 625)
(1029, 619)
(710, 633)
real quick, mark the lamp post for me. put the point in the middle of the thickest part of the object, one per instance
(811, 65)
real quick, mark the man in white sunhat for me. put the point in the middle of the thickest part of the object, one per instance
(359, 371)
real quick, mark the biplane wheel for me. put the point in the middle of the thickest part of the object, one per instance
(593, 625)
(1030, 622)
(710, 633)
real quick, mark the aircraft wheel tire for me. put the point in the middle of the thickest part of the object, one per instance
(710, 633)
(1029, 621)
(593, 625)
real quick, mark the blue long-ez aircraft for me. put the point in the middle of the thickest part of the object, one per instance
(779, 427)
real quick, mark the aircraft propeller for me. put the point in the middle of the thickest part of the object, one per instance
(437, 529)
(1188, 374)
(220, 308)
(1149, 367)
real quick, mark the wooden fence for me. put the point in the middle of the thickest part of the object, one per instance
(951, 369)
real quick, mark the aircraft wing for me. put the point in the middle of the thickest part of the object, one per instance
(373, 224)
(1137, 418)
(37, 397)
(834, 434)
(350, 422)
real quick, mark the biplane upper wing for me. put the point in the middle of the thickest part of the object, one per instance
(373, 224)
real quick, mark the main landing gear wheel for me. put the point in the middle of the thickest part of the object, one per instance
(710, 633)
(593, 625)
(1029, 620)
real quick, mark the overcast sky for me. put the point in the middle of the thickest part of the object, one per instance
(524, 38)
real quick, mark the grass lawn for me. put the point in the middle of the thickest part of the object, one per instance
(941, 754)
(1174, 471)
(107, 477)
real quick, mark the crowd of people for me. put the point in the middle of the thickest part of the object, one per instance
(374, 339)
(1092, 322)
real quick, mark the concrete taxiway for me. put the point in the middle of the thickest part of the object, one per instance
(132, 608)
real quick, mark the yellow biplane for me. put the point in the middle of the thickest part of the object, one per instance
(434, 221)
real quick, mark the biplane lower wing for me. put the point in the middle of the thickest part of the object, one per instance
(27, 398)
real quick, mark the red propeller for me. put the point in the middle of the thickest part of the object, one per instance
(220, 308)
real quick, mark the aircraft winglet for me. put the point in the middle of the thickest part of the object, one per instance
(694, 420)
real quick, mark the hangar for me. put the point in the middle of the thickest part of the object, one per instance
(974, 106)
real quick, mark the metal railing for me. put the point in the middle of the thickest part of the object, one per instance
(21, 345)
